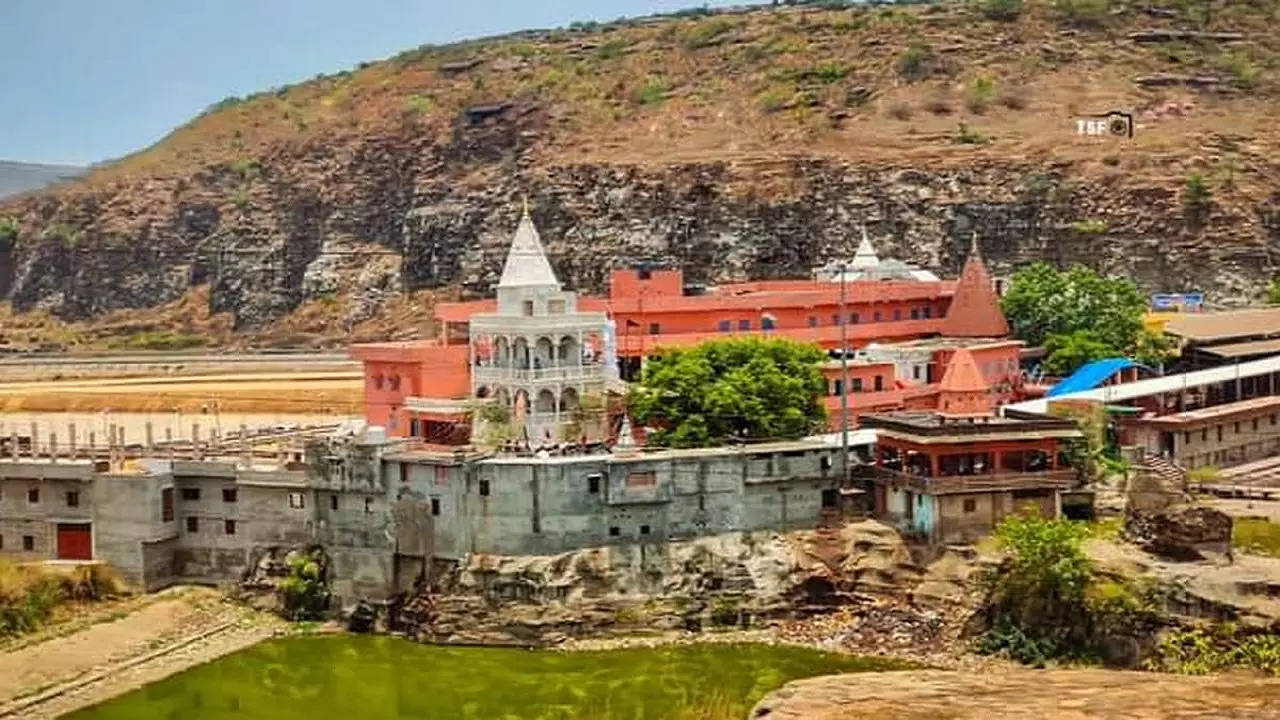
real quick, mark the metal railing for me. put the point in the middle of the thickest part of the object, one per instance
(563, 372)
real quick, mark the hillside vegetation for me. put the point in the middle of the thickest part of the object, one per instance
(699, 136)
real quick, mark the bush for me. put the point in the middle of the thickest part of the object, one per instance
(29, 595)
(8, 232)
(966, 135)
(1257, 536)
(1196, 195)
(775, 98)
(158, 340)
(1083, 12)
(613, 49)
(900, 111)
(1203, 652)
(705, 33)
(1243, 72)
(916, 62)
(653, 92)
(1273, 292)
(304, 593)
(1091, 226)
(417, 104)
(1002, 10)
(981, 91)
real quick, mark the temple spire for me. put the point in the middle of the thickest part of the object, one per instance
(975, 309)
(866, 256)
(963, 391)
(527, 263)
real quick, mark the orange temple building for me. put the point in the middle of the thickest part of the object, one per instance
(901, 327)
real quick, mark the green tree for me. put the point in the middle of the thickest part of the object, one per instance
(1068, 351)
(8, 231)
(731, 389)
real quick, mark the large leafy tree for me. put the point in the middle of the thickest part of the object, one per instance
(1080, 315)
(747, 389)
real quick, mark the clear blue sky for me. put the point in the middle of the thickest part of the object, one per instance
(88, 80)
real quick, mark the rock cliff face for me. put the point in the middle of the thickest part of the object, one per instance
(747, 145)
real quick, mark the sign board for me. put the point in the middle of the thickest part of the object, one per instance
(1178, 302)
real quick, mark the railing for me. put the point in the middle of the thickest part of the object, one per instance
(491, 373)
(950, 484)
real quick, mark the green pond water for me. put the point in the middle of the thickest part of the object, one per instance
(352, 677)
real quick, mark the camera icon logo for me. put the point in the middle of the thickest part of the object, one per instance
(1114, 123)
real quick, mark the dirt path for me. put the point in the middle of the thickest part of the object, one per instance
(173, 631)
(1040, 694)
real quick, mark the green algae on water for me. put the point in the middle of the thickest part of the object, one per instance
(350, 677)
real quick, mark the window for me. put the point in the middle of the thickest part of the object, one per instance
(528, 307)
(555, 307)
(642, 479)
(368, 505)
(766, 323)
(839, 387)
(333, 501)
(927, 312)
(835, 319)
(229, 527)
(377, 381)
(193, 524)
(813, 321)
(853, 318)
(593, 483)
(1255, 424)
(1219, 433)
(228, 495)
(73, 498)
(897, 314)
(655, 328)
(435, 506)
(404, 472)
(1237, 428)
(915, 313)
(915, 372)
(1186, 438)
(484, 488)
(395, 382)
(295, 500)
(644, 273)
(1204, 435)
(744, 324)
(166, 505)
(879, 383)
(614, 531)
(1, 542)
(725, 326)
(28, 542)
(190, 493)
(857, 385)
(876, 316)
(970, 505)
(33, 495)
(644, 529)
(413, 430)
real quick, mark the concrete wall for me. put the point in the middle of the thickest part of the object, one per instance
(1239, 439)
(20, 518)
(129, 532)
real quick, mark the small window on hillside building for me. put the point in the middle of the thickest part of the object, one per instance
(193, 524)
(835, 319)
(229, 527)
(813, 321)
(593, 483)
(725, 326)
(915, 313)
(555, 307)
(879, 383)
(295, 500)
(876, 316)
(856, 385)
(166, 505)
(927, 312)
(73, 498)
(744, 324)
(1186, 438)
(33, 495)
(644, 529)
(484, 488)
(413, 430)
(333, 501)
(642, 479)
(528, 308)
(368, 505)
(1204, 435)
(1255, 424)
(655, 328)
(1219, 433)
(970, 505)
(190, 493)
(28, 543)
(766, 323)
(614, 531)
(853, 318)
(228, 495)
(897, 314)
(435, 506)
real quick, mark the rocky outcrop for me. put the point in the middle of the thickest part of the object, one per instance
(732, 580)
(1184, 532)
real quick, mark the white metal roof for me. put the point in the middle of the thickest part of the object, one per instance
(1155, 386)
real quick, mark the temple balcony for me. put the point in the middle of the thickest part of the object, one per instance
(483, 374)
(955, 484)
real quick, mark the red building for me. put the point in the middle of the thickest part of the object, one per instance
(900, 325)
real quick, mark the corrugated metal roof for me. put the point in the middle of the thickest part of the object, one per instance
(1245, 349)
(1090, 375)
(1154, 386)
(1201, 327)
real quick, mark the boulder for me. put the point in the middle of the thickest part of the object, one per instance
(1184, 532)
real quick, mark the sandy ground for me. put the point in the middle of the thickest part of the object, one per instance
(298, 392)
(123, 648)
(1039, 694)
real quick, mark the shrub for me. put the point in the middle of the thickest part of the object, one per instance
(966, 135)
(1002, 10)
(916, 62)
(160, 340)
(1196, 195)
(8, 231)
(1091, 226)
(1273, 292)
(705, 33)
(304, 593)
(615, 48)
(725, 612)
(1083, 12)
(775, 98)
(828, 72)
(1243, 72)
(653, 91)
(1202, 652)
(1256, 535)
(900, 111)
(417, 104)
(981, 92)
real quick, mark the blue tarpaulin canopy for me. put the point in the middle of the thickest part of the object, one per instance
(1091, 375)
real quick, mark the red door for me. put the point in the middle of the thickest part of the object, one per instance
(75, 542)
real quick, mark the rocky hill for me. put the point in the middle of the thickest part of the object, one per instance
(746, 143)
